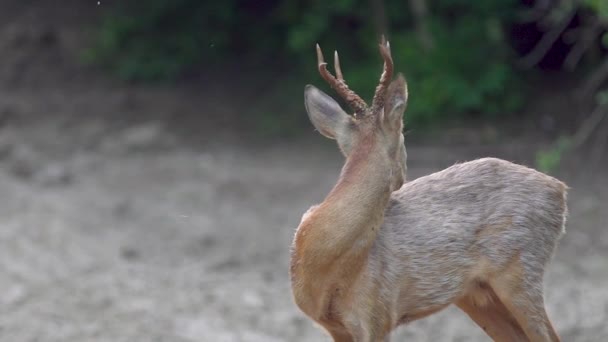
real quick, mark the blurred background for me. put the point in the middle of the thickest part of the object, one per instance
(156, 158)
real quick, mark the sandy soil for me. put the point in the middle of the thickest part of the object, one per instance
(137, 237)
(123, 217)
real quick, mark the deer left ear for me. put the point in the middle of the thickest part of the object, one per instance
(396, 100)
(325, 113)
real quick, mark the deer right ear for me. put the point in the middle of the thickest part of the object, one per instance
(396, 100)
(325, 113)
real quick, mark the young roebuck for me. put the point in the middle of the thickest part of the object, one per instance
(379, 252)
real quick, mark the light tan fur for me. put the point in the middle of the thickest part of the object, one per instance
(379, 252)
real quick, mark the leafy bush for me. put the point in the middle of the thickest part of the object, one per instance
(157, 39)
(590, 45)
(466, 70)
(548, 160)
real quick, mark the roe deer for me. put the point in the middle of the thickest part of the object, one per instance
(379, 252)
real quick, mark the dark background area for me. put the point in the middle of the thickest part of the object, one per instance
(155, 156)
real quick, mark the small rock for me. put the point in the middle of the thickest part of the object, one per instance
(24, 162)
(135, 138)
(208, 241)
(6, 145)
(268, 276)
(129, 253)
(54, 175)
(230, 263)
(142, 136)
(7, 114)
(252, 299)
(123, 208)
(13, 295)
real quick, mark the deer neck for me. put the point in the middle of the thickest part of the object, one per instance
(363, 189)
(349, 218)
(333, 241)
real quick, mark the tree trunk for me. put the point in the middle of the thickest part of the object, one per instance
(420, 10)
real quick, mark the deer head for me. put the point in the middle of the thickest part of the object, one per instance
(380, 125)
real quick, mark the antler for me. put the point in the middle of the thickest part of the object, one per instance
(385, 78)
(353, 100)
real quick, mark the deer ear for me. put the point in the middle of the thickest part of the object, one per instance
(325, 113)
(396, 100)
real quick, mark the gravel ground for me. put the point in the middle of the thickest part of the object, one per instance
(141, 238)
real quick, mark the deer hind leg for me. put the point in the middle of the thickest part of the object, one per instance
(369, 336)
(355, 334)
(491, 315)
(521, 291)
(340, 336)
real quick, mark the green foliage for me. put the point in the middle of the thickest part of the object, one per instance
(549, 160)
(158, 39)
(602, 97)
(598, 6)
(467, 71)
(122, 45)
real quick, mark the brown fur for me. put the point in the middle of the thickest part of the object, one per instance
(493, 317)
(311, 258)
(487, 230)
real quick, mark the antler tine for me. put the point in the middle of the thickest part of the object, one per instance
(338, 84)
(385, 42)
(385, 78)
(337, 66)
(320, 59)
(387, 73)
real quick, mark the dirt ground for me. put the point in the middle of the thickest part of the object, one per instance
(124, 219)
